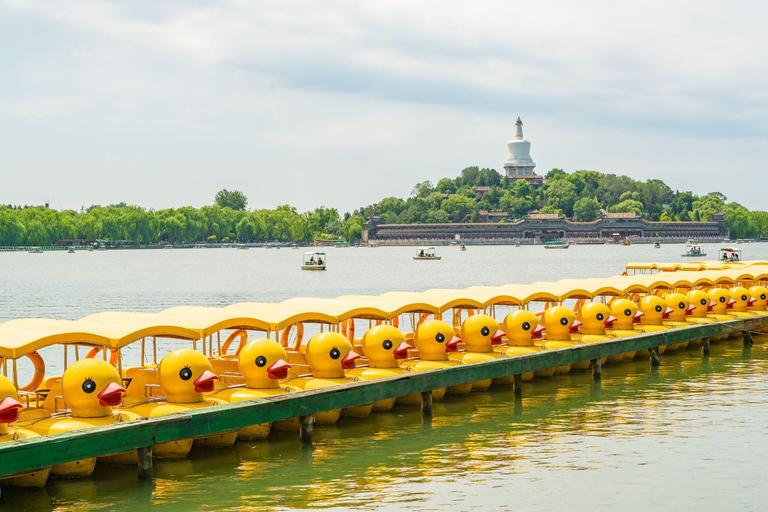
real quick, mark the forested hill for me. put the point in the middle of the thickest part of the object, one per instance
(580, 195)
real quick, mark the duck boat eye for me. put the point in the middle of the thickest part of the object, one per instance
(185, 374)
(387, 344)
(261, 361)
(658, 309)
(334, 353)
(703, 302)
(627, 312)
(89, 386)
(599, 316)
(440, 337)
(563, 321)
(485, 331)
(526, 326)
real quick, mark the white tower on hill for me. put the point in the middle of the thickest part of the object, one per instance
(519, 165)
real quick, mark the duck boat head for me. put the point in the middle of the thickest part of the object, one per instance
(263, 363)
(385, 346)
(480, 333)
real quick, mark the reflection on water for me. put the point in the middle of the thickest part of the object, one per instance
(689, 432)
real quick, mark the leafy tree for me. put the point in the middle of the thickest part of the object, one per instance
(234, 199)
(457, 207)
(628, 205)
(422, 189)
(586, 210)
(554, 174)
(561, 195)
(446, 186)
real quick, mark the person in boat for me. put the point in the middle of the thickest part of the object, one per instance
(311, 260)
(421, 253)
(735, 257)
(319, 260)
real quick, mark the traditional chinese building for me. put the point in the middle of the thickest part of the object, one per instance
(547, 226)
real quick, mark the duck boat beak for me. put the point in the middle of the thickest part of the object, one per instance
(452, 345)
(348, 362)
(111, 395)
(751, 301)
(609, 321)
(497, 337)
(9, 410)
(689, 310)
(730, 303)
(711, 305)
(637, 316)
(538, 332)
(279, 370)
(574, 327)
(401, 352)
(666, 313)
(204, 383)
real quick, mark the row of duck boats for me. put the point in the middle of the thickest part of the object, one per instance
(95, 391)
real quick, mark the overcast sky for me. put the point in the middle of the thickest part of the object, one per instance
(162, 103)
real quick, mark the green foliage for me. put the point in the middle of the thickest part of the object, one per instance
(234, 199)
(586, 209)
(353, 228)
(457, 207)
(626, 206)
(561, 195)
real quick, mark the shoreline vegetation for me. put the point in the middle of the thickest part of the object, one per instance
(580, 196)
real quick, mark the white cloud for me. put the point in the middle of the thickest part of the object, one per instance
(193, 93)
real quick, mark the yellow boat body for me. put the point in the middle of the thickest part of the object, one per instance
(253, 432)
(623, 333)
(180, 448)
(330, 417)
(477, 357)
(30, 479)
(418, 365)
(83, 468)
(377, 373)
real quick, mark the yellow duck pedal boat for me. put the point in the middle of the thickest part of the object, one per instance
(434, 340)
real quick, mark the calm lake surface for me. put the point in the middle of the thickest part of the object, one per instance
(690, 434)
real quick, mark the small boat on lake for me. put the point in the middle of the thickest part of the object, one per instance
(313, 261)
(657, 245)
(729, 254)
(71, 250)
(428, 253)
(693, 250)
(462, 247)
(556, 244)
(35, 250)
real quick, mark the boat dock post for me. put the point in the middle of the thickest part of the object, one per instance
(426, 403)
(518, 385)
(145, 461)
(597, 369)
(705, 346)
(306, 430)
(654, 356)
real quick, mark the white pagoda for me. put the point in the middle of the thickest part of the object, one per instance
(519, 165)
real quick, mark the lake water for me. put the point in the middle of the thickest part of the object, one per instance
(690, 434)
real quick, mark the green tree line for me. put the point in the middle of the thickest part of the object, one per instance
(42, 226)
(581, 196)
